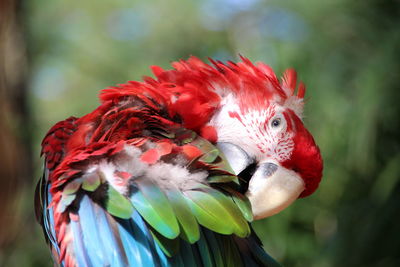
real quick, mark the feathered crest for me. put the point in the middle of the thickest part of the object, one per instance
(194, 89)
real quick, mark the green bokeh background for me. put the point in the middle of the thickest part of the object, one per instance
(347, 53)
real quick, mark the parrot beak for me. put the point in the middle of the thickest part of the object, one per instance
(271, 188)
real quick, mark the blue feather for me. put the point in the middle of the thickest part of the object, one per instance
(48, 222)
(81, 256)
(134, 250)
(91, 239)
(112, 249)
(136, 241)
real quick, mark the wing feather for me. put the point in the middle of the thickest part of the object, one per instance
(107, 205)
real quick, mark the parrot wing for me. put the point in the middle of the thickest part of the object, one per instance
(167, 199)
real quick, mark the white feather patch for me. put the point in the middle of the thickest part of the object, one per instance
(165, 175)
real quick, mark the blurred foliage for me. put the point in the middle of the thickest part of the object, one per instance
(347, 53)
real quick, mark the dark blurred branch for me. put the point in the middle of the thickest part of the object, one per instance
(15, 142)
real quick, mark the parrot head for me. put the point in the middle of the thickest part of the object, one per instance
(268, 146)
(261, 133)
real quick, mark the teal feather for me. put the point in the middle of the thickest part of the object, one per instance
(160, 204)
(151, 214)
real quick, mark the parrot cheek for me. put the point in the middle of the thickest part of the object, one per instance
(272, 188)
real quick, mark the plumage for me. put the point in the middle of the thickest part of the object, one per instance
(143, 181)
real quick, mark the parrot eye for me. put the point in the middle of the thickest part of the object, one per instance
(275, 122)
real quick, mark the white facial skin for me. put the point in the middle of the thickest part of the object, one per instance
(259, 137)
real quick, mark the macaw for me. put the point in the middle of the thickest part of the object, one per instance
(170, 171)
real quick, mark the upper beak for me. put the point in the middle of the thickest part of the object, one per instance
(271, 188)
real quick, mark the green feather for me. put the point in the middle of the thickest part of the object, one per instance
(224, 165)
(242, 228)
(209, 212)
(210, 156)
(221, 178)
(117, 205)
(190, 228)
(91, 182)
(242, 202)
(203, 144)
(216, 161)
(155, 208)
(244, 205)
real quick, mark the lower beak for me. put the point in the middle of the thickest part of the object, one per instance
(272, 188)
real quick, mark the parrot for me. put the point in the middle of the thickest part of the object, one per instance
(171, 170)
